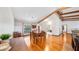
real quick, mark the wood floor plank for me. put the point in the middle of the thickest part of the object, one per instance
(53, 43)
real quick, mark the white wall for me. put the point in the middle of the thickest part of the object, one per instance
(6, 20)
(18, 26)
(55, 22)
(71, 25)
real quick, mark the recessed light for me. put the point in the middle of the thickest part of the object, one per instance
(34, 17)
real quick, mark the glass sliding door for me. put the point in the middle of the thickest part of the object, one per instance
(27, 29)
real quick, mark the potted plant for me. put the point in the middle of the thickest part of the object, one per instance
(5, 37)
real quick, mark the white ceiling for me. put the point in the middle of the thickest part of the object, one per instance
(32, 14)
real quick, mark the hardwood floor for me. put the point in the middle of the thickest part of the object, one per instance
(60, 43)
(53, 43)
(57, 43)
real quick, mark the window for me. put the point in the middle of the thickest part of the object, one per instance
(27, 28)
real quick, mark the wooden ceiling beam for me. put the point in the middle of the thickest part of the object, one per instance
(46, 17)
(70, 12)
(70, 16)
(70, 19)
(59, 13)
(62, 8)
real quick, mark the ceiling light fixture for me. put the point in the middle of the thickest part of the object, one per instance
(34, 17)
